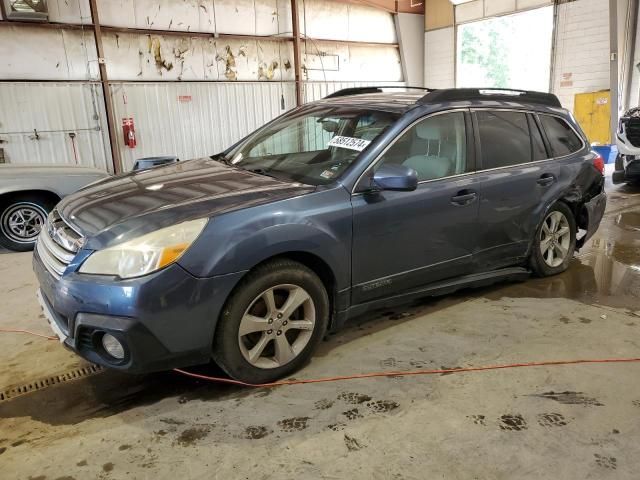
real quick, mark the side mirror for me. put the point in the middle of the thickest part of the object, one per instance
(395, 177)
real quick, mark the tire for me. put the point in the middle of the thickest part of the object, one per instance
(260, 355)
(21, 217)
(558, 249)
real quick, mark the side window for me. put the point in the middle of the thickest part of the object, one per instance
(561, 136)
(537, 144)
(504, 138)
(435, 148)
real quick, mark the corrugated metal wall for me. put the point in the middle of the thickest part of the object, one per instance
(195, 119)
(317, 90)
(39, 119)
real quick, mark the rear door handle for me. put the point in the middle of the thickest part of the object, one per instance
(546, 180)
(464, 197)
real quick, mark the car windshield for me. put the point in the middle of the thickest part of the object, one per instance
(313, 146)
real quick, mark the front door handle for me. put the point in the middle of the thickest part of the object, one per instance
(464, 197)
(546, 179)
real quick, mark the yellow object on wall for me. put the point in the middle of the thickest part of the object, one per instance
(593, 112)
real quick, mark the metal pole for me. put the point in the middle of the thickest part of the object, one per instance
(106, 89)
(296, 51)
(630, 47)
(613, 66)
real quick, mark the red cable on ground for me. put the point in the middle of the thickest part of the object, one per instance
(404, 373)
(373, 374)
(11, 330)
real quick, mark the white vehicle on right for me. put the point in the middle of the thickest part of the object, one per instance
(627, 167)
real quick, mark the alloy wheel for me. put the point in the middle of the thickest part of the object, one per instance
(555, 239)
(22, 222)
(277, 326)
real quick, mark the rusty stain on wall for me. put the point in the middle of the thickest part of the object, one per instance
(155, 49)
(229, 60)
(267, 72)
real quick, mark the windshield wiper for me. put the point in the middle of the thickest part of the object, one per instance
(260, 171)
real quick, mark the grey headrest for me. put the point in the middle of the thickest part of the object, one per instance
(427, 131)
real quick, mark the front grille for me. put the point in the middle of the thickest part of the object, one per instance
(632, 129)
(57, 244)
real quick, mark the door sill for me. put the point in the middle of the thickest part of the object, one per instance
(441, 288)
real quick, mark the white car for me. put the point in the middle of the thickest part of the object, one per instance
(628, 142)
(29, 192)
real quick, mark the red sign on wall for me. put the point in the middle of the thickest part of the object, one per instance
(184, 98)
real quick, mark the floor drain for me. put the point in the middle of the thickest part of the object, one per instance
(75, 374)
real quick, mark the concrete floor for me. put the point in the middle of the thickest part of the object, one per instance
(545, 422)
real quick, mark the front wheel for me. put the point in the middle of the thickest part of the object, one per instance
(271, 323)
(555, 241)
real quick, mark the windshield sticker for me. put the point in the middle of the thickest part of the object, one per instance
(327, 174)
(351, 143)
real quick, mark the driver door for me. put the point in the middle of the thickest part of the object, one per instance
(404, 240)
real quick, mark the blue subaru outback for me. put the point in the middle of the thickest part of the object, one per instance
(361, 200)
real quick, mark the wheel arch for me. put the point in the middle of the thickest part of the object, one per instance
(313, 262)
(572, 204)
(6, 197)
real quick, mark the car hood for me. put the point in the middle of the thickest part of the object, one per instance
(124, 207)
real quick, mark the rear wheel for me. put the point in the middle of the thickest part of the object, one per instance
(555, 241)
(21, 218)
(272, 322)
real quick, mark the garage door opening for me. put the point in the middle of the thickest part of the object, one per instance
(513, 51)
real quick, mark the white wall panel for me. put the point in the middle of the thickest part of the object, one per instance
(498, 7)
(368, 24)
(317, 90)
(525, 4)
(440, 58)
(69, 11)
(410, 28)
(170, 57)
(468, 12)
(582, 49)
(327, 61)
(46, 54)
(53, 110)
(216, 115)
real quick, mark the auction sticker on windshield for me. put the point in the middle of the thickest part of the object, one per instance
(349, 142)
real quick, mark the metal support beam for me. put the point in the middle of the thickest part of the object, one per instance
(295, 22)
(106, 89)
(630, 51)
(613, 66)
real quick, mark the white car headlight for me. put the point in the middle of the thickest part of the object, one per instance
(144, 254)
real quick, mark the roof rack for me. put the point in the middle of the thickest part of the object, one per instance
(370, 89)
(498, 94)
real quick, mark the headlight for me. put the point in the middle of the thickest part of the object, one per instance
(145, 254)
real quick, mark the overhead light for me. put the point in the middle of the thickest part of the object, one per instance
(460, 2)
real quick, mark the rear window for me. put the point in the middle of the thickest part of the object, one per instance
(562, 138)
(504, 138)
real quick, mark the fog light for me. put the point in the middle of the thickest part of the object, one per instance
(113, 346)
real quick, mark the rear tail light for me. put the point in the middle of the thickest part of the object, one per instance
(598, 162)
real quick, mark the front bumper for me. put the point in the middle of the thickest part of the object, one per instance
(165, 320)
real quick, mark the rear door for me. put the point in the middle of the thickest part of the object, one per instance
(516, 173)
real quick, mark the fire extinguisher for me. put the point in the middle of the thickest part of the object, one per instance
(129, 132)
